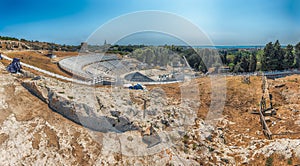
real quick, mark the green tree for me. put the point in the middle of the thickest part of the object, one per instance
(231, 66)
(253, 62)
(237, 58)
(194, 61)
(288, 57)
(297, 56)
(267, 61)
(237, 68)
(278, 57)
(202, 67)
(224, 57)
(245, 64)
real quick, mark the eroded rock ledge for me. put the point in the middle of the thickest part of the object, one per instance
(77, 111)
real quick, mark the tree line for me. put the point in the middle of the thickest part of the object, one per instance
(277, 58)
(272, 57)
(37, 45)
(8, 38)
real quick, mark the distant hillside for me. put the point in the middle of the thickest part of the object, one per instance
(11, 43)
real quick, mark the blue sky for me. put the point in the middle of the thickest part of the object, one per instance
(226, 22)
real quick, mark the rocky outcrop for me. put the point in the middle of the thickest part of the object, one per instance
(78, 112)
(38, 90)
(32, 134)
(13, 45)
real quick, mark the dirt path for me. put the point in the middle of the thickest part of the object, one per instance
(49, 73)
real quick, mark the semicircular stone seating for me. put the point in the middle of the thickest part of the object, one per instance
(92, 66)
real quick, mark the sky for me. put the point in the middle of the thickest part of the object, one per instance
(224, 22)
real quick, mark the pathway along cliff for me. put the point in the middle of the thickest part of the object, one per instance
(49, 73)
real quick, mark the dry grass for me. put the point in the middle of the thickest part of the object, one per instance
(286, 101)
(241, 100)
(3, 138)
(41, 60)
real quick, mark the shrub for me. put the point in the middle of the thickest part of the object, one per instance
(269, 161)
(290, 161)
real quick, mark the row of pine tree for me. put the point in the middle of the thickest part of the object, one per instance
(277, 58)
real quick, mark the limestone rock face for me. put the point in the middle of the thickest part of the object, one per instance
(38, 90)
(48, 122)
(76, 110)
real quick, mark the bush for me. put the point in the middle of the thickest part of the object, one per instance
(290, 161)
(269, 161)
